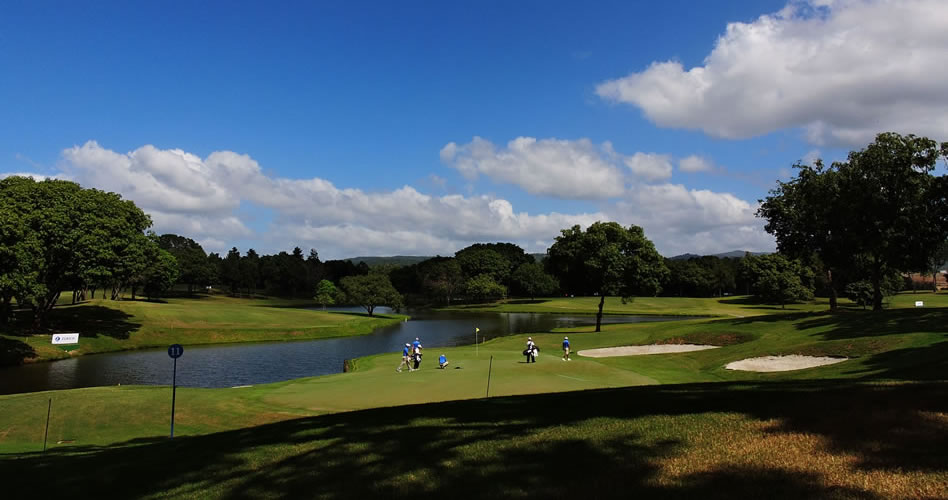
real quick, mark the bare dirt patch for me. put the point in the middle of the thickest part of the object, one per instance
(639, 350)
(782, 363)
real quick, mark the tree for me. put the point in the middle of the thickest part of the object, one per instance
(607, 259)
(250, 271)
(806, 217)
(370, 291)
(326, 293)
(483, 287)
(475, 261)
(881, 206)
(191, 258)
(776, 279)
(64, 237)
(161, 274)
(531, 280)
(230, 271)
(443, 278)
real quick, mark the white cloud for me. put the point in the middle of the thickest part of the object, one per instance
(216, 201)
(201, 198)
(695, 163)
(650, 166)
(681, 220)
(553, 167)
(35, 177)
(811, 156)
(842, 69)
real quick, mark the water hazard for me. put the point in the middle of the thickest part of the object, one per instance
(233, 365)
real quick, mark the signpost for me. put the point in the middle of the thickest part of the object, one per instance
(65, 338)
(175, 351)
(919, 303)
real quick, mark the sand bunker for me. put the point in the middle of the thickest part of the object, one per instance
(782, 363)
(638, 350)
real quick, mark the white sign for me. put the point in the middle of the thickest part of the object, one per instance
(65, 338)
(919, 303)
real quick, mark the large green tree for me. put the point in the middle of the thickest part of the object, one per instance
(531, 280)
(882, 207)
(193, 265)
(776, 279)
(442, 277)
(371, 291)
(610, 259)
(64, 237)
(478, 260)
(326, 293)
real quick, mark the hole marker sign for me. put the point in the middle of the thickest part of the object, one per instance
(65, 338)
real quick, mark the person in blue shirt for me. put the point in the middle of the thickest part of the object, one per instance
(442, 361)
(406, 359)
(565, 348)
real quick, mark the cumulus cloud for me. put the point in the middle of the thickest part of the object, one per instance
(695, 163)
(650, 166)
(681, 220)
(215, 200)
(552, 167)
(843, 70)
(201, 198)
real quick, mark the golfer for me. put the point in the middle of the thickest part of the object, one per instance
(565, 348)
(442, 361)
(531, 351)
(416, 355)
(406, 359)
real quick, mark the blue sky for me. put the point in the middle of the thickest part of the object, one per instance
(384, 128)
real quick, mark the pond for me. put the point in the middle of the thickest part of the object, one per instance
(231, 365)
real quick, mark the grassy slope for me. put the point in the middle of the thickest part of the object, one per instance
(118, 325)
(740, 306)
(773, 434)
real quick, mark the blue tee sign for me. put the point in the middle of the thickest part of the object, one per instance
(175, 351)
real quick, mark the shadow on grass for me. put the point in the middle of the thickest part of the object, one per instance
(14, 352)
(87, 320)
(92, 321)
(541, 446)
(519, 302)
(852, 324)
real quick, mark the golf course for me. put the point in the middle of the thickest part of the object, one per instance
(659, 426)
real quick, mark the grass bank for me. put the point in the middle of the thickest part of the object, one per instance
(106, 325)
(737, 306)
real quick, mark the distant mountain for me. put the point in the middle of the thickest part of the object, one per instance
(397, 260)
(726, 255)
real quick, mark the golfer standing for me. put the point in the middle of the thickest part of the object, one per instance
(406, 358)
(565, 348)
(531, 351)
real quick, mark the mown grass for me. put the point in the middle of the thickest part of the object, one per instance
(106, 325)
(736, 306)
(827, 439)
(662, 426)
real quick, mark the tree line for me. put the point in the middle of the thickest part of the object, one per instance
(852, 228)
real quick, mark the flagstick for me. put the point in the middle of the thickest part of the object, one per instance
(476, 353)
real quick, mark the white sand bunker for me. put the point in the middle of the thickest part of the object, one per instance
(638, 350)
(782, 363)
